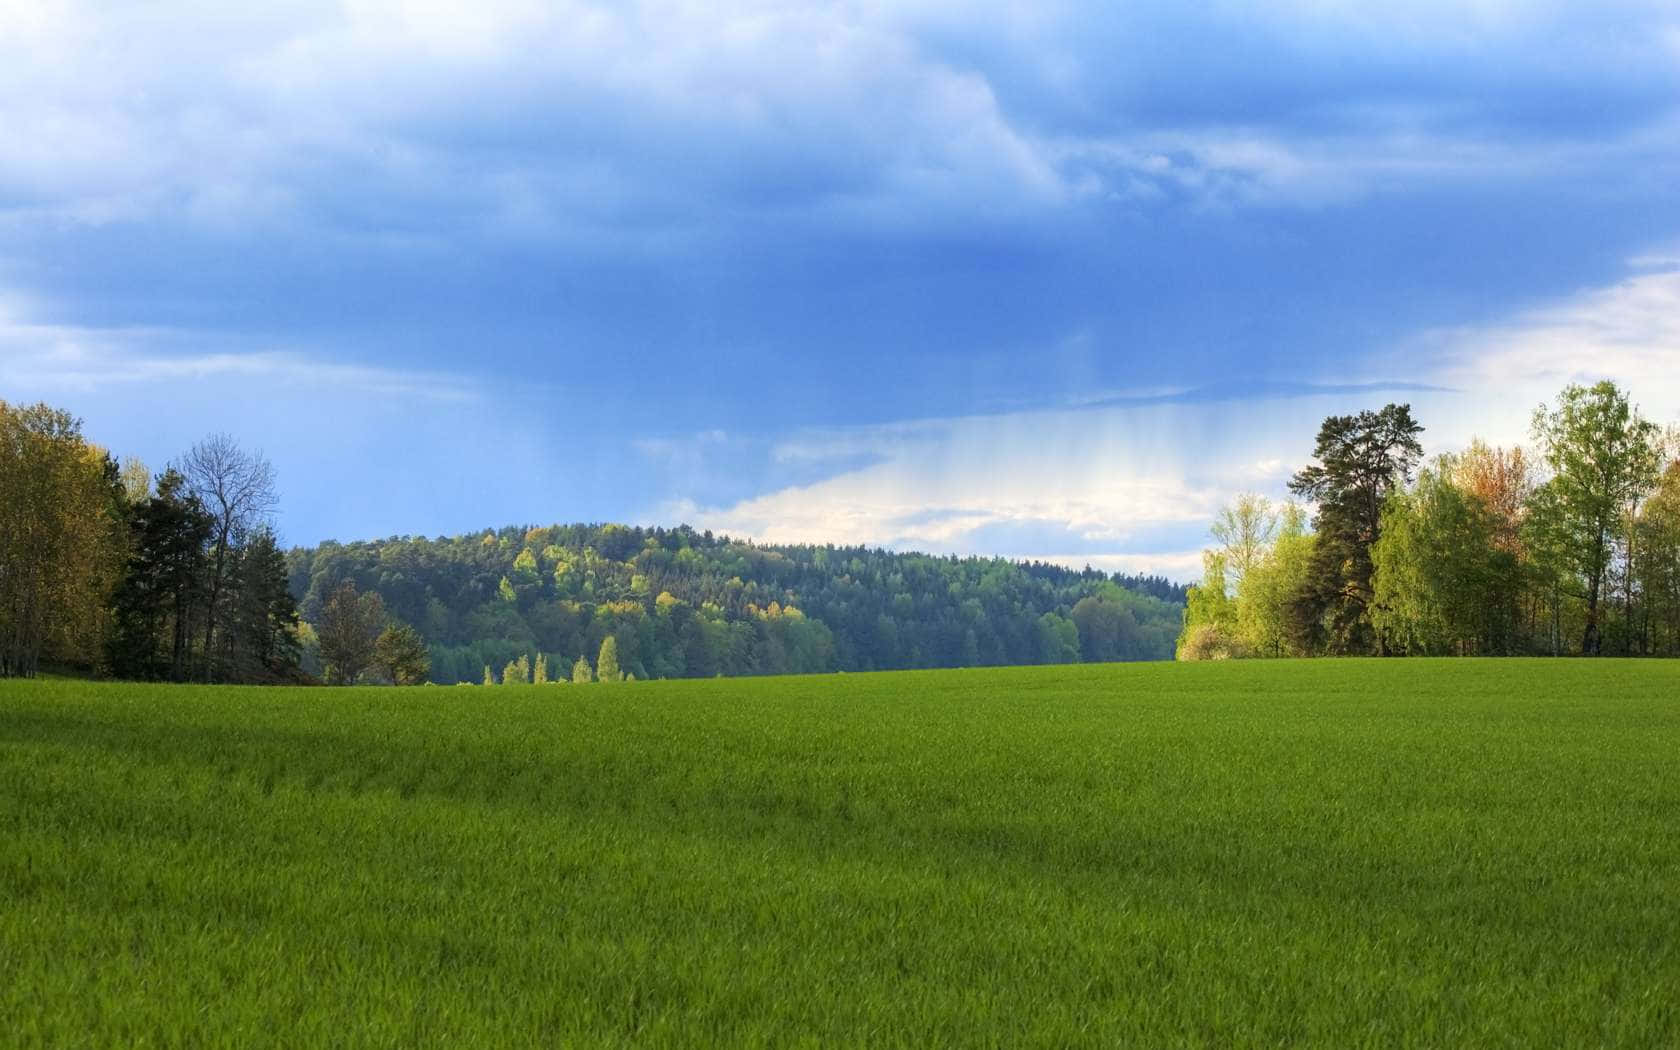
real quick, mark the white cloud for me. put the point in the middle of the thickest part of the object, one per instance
(1121, 481)
(50, 360)
(556, 116)
(1628, 332)
(523, 114)
(1129, 486)
(1182, 566)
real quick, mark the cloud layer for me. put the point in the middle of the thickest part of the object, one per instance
(988, 276)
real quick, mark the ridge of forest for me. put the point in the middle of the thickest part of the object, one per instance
(684, 603)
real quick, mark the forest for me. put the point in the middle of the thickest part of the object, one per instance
(681, 604)
(1572, 547)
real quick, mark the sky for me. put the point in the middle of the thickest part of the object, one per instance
(1049, 280)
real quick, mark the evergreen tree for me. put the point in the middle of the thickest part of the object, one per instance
(260, 642)
(1360, 460)
(154, 606)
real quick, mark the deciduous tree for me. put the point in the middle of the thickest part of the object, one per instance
(349, 627)
(236, 488)
(63, 540)
(606, 665)
(1604, 459)
(1244, 529)
(1443, 583)
(400, 654)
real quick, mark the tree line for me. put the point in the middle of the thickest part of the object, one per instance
(105, 568)
(676, 602)
(1570, 547)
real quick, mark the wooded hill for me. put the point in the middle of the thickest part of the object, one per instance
(682, 603)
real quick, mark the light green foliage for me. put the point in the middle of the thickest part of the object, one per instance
(1210, 616)
(606, 665)
(136, 479)
(1332, 853)
(539, 671)
(1546, 543)
(1058, 639)
(1604, 458)
(1441, 584)
(512, 674)
(489, 678)
(506, 591)
(581, 674)
(1244, 531)
(525, 568)
(1251, 615)
(1264, 613)
(1659, 564)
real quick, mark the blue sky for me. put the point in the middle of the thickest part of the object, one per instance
(1047, 280)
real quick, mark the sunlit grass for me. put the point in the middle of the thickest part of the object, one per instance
(1335, 852)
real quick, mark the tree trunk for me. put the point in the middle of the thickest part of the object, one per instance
(210, 614)
(1590, 637)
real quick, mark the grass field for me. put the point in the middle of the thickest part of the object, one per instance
(1339, 853)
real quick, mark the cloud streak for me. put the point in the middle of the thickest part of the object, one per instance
(54, 360)
(1131, 481)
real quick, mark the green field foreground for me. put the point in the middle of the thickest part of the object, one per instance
(1338, 853)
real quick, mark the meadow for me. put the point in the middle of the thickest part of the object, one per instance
(1337, 853)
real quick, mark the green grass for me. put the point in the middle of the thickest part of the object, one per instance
(1338, 853)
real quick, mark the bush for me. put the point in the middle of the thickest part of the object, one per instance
(1207, 642)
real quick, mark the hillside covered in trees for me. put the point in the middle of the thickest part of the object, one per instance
(680, 603)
